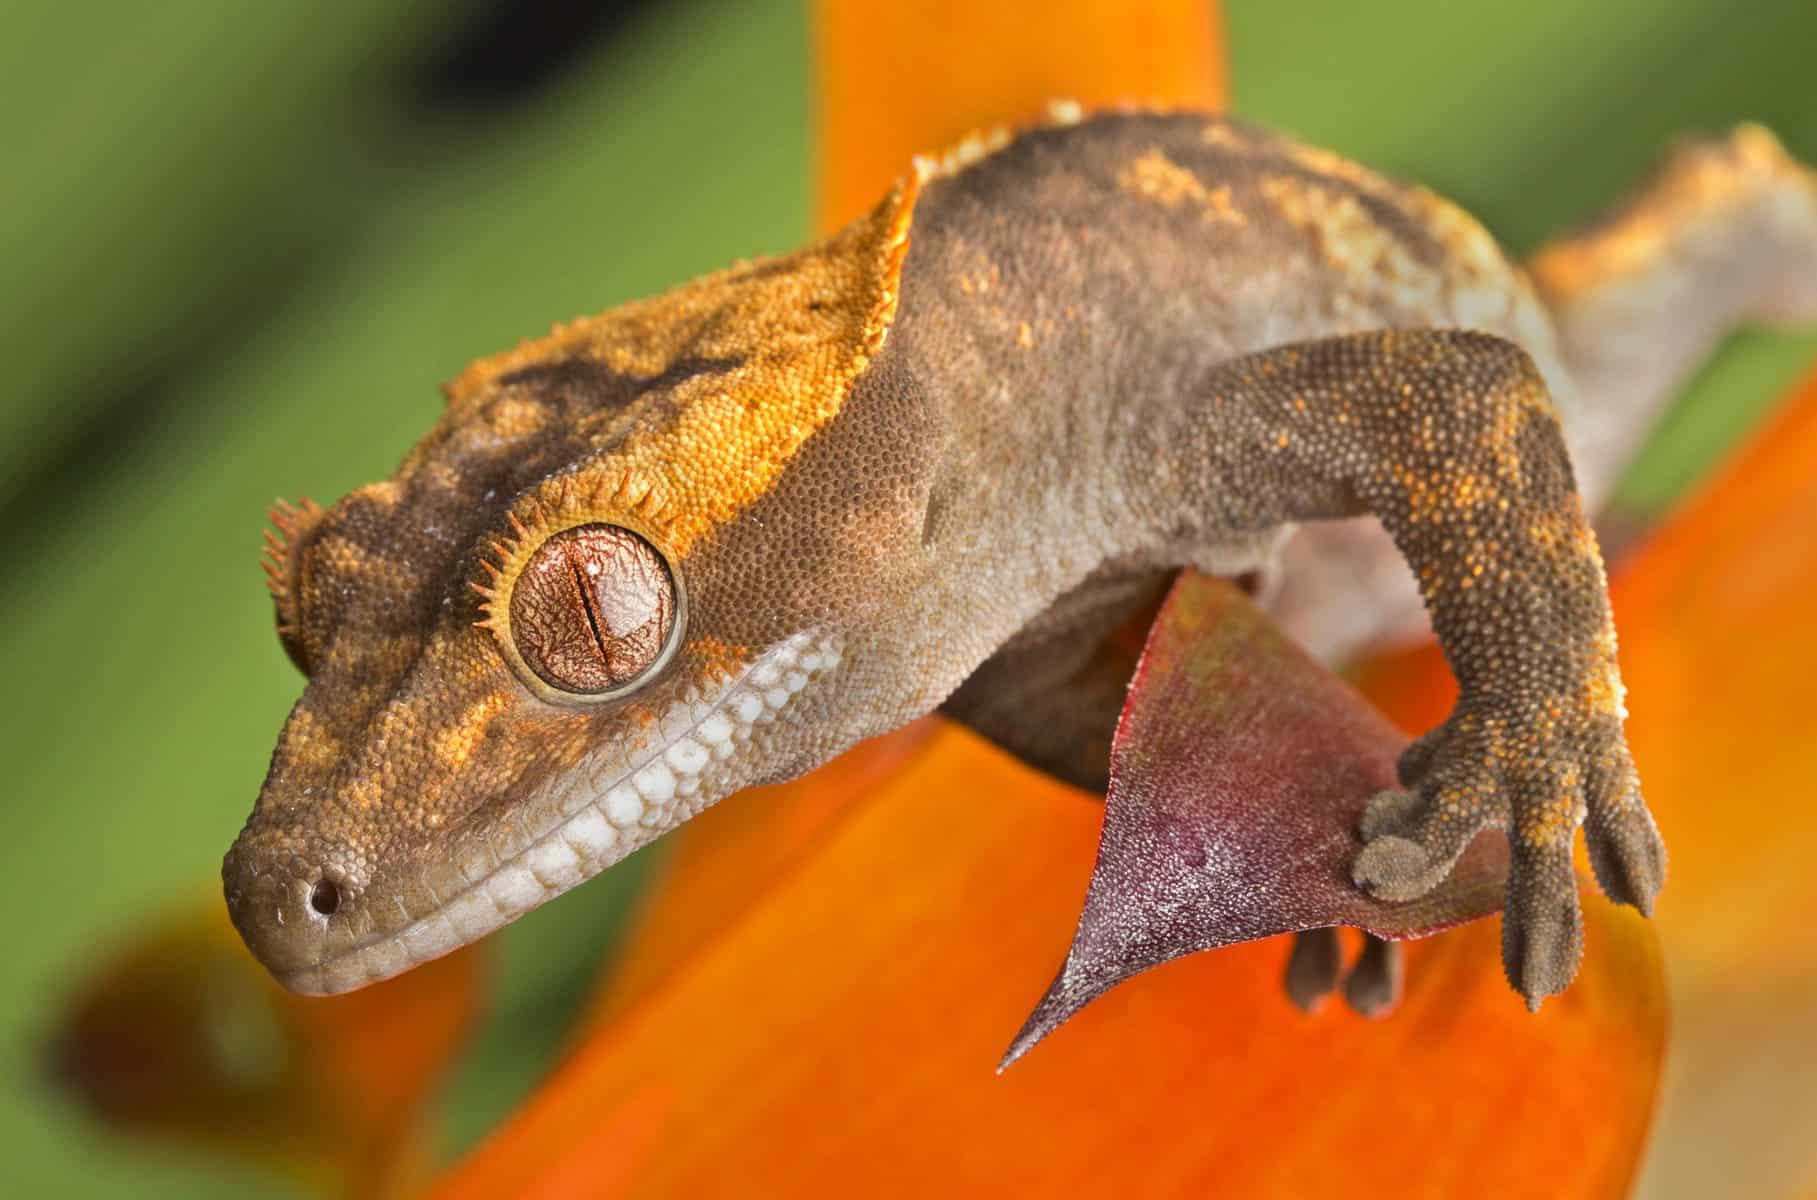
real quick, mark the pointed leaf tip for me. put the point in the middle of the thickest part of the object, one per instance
(1239, 775)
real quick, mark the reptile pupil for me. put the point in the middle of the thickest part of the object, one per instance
(592, 609)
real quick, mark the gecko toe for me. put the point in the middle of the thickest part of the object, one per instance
(1413, 839)
(1542, 928)
(1626, 852)
(1398, 868)
(1417, 758)
(1374, 986)
(1389, 812)
(1312, 968)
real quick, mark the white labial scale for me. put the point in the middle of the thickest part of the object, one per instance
(716, 730)
(576, 798)
(476, 863)
(471, 914)
(686, 757)
(554, 863)
(591, 835)
(514, 889)
(386, 958)
(429, 937)
(747, 707)
(623, 806)
(655, 783)
(677, 722)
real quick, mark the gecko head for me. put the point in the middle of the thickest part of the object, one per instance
(488, 724)
(575, 617)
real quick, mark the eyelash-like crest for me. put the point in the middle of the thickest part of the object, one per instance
(290, 524)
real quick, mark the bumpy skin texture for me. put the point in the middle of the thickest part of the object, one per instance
(1723, 233)
(941, 458)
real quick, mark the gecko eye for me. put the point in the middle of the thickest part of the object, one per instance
(593, 610)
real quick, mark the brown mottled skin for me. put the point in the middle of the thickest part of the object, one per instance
(937, 460)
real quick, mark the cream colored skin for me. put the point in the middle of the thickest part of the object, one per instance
(876, 477)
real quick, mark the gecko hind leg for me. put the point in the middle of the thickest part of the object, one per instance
(1723, 234)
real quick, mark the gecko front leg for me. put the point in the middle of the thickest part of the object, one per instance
(1451, 440)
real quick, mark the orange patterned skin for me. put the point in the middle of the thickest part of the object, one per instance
(938, 459)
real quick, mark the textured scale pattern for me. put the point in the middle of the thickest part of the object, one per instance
(945, 457)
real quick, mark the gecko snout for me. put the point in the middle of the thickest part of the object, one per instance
(291, 908)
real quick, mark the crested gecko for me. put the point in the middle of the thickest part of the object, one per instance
(714, 538)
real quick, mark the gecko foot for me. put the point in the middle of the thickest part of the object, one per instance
(1488, 770)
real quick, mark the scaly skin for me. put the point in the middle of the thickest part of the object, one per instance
(938, 458)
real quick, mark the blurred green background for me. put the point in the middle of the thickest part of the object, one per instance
(240, 244)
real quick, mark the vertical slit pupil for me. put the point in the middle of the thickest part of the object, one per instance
(576, 563)
(592, 609)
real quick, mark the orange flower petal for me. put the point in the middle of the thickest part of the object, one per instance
(1718, 616)
(183, 1037)
(896, 80)
(732, 852)
(843, 1039)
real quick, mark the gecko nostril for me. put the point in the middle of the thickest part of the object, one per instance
(325, 897)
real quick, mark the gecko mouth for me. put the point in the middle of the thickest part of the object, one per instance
(568, 830)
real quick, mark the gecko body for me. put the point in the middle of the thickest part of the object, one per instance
(712, 539)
